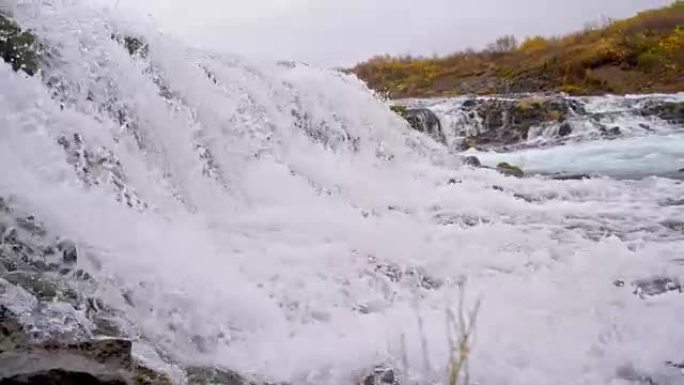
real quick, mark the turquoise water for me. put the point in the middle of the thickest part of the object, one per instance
(630, 158)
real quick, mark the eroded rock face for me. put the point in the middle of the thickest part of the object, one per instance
(422, 120)
(508, 121)
(671, 112)
(41, 345)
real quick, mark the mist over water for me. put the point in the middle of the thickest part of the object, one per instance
(279, 220)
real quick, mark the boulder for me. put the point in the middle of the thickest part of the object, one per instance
(471, 161)
(422, 120)
(510, 170)
(565, 129)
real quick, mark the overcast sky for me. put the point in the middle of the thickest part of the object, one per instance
(343, 32)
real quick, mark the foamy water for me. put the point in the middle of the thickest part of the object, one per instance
(274, 204)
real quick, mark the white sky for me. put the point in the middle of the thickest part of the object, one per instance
(343, 32)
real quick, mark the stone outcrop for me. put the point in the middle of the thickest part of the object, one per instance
(508, 121)
(422, 120)
(19, 48)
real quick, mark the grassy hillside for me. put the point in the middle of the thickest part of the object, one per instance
(644, 53)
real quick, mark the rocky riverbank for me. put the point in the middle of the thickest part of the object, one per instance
(513, 122)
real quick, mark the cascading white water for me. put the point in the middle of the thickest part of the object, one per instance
(598, 112)
(279, 220)
(629, 158)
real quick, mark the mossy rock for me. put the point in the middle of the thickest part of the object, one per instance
(400, 110)
(510, 170)
(19, 48)
(147, 376)
(672, 112)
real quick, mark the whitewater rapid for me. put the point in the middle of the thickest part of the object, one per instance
(626, 158)
(279, 220)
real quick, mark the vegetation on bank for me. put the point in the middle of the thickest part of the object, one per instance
(641, 54)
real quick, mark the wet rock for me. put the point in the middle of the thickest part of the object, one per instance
(392, 271)
(18, 48)
(215, 376)
(30, 224)
(206, 376)
(610, 132)
(565, 129)
(12, 333)
(656, 286)
(69, 252)
(570, 177)
(674, 225)
(33, 283)
(93, 360)
(672, 202)
(510, 170)
(672, 112)
(469, 103)
(472, 161)
(400, 110)
(506, 122)
(524, 197)
(414, 276)
(62, 377)
(111, 351)
(135, 46)
(381, 375)
(146, 376)
(424, 280)
(425, 121)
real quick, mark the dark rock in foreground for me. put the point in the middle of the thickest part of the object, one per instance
(510, 170)
(472, 161)
(422, 120)
(94, 361)
(61, 377)
(18, 48)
